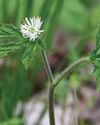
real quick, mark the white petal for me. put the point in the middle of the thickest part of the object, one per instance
(28, 22)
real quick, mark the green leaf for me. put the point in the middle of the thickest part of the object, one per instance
(95, 57)
(10, 39)
(9, 30)
(42, 44)
(6, 48)
(28, 55)
(97, 75)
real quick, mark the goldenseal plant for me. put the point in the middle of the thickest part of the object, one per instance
(29, 36)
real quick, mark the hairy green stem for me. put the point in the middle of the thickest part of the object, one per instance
(51, 89)
(51, 105)
(70, 68)
(54, 83)
(48, 69)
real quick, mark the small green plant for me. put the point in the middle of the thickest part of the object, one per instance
(95, 57)
(29, 36)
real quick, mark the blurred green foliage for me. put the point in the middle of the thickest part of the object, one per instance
(12, 122)
(75, 16)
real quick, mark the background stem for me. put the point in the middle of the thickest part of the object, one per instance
(75, 111)
(41, 115)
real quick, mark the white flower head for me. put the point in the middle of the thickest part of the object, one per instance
(31, 28)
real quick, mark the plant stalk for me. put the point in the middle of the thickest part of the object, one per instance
(48, 69)
(55, 82)
(51, 89)
(51, 105)
(70, 68)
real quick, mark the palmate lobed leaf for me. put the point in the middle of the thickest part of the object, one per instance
(9, 29)
(42, 44)
(97, 74)
(95, 57)
(28, 55)
(12, 40)
(7, 48)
